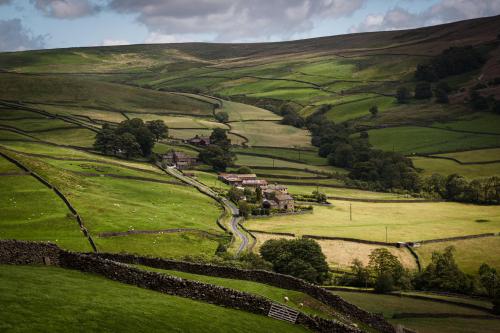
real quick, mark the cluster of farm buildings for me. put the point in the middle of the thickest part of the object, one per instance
(275, 196)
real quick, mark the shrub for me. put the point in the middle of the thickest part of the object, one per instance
(423, 90)
(384, 283)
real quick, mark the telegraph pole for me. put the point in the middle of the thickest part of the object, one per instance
(386, 234)
(350, 211)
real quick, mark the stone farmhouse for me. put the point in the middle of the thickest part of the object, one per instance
(178, 159)
(199, 141)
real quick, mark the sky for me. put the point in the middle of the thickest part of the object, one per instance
(38, 24)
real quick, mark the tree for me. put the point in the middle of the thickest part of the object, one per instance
(234, 194)
(219, 138)
(384, 283)
(343, 156)
(258, 195)
(142, 134)
(423, 90)
(158, 128)
(105, 141)
(361, 275)
(387, 270)
(128, 145)
(489, 280)
(301, 258)
(402, 95)
(441, 96)
(244, 208)
(374, 111)
(217, 157)
(443, 274)
(222, 117)
(244, 170)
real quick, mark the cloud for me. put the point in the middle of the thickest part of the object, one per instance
(114, 42)
(5, 2)
(14, 37)
(66, 9)
(442, 12)
(234, 20)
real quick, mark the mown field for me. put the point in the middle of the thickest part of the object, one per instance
(404, 221)
(87, 302)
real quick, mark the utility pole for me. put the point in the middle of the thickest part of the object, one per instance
(299, 154)
(273, 163)
(386, 234)
(350, 211)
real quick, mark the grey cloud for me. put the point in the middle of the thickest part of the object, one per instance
(232, 20)
(66, 9)
(5, 2)
(442, 12)
(14, 37)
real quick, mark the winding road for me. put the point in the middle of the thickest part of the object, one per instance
(231, 207)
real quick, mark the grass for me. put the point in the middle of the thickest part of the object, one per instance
(450, 325)
(311, 305)
(447, 167)
(478, 122)
(389, 305)
(470, 253)
(108, 204)
(239, 112)
(359, 109)
(479, 155)
(173, 245)
(346, 193)
(210, 179)
(31, 211)
(430, 140)
(272, 134)
(6, 166)
(404, 221)
(301, 156)
(40, 124)
(267, 162)
(75, 137)
(42, 299)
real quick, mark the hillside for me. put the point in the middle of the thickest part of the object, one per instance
(57, 187)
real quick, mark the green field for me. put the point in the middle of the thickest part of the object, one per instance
(447, 167)
(473, 156)
(404, 221)
(347, 193)
(311, 305)
(267, 162)
(272, 134)
(410, 139)
(357, 109)
(31, 211)
(302, 156)
(470, 253)
(42, 299)
(388, 305)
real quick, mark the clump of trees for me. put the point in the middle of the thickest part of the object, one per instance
(130, 138)
(218, 153)
(301, 258)
(374, 111)
(457, 188)
(291, 117)
(222, 117)
(452, 61)
(482, 103)
(384, 170)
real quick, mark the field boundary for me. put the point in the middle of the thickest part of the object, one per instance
(458, 161)
(117, 268)
(59, 194)
(109, 234)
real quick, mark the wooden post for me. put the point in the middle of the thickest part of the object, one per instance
(350, 211)
(386, 234)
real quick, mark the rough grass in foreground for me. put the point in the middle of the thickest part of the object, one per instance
(43, 299)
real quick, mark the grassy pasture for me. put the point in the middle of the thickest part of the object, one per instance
(447, 167)
(39, 124)
(266, 133)
(55, 299)
(359, 109)
(478, 122)
(404, 221)
(388, 305)
(411, 139)
(6, 166)
(276, 163)
(239, 111)
(78, 91)
(30, 211)
(173, 245)
(7, 114)
(470, 253)
(479, 155)
(311, 305)
(9, 135)
(80, 137)
(179, 121)
(346, 193)
(123, 204)
(302, 156)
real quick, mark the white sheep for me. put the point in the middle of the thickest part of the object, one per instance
(286, 298)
